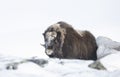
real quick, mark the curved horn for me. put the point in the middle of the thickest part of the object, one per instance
(42, 45)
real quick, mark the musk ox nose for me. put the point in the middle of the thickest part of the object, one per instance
(51, 55)
(49, 52)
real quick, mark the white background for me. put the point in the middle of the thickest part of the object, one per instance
(22, 22)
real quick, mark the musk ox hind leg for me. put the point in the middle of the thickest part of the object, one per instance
(91, 44)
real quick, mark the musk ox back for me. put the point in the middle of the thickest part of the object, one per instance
(63, 41)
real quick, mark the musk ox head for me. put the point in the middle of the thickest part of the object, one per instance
(63, 41)
(54, 37)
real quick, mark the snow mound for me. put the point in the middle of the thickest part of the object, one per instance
(108, 53)
(106, 46)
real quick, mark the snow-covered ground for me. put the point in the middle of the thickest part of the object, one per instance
(67, 68)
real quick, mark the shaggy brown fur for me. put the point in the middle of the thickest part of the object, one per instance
(69, 43)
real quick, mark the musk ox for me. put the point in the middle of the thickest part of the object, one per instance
(63, 41)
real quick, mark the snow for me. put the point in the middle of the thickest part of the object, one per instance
(111, 62)
(108, 53)
(106, 46)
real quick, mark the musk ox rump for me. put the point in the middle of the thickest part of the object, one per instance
(63, 41)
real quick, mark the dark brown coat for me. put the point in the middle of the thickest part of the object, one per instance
(69, 43)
